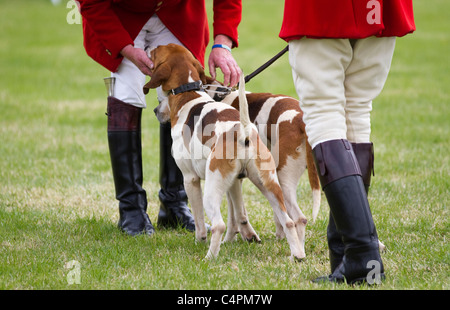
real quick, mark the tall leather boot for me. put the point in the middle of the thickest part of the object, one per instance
(341, 180)
(335, 244)
(365, 157)
(124, 139)
(173, 210)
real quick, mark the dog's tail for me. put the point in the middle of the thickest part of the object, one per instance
(313, 181)
(243, 107)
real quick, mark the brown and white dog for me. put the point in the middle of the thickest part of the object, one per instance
(279, 120)
(215, 142)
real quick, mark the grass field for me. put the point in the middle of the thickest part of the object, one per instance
(56, 190)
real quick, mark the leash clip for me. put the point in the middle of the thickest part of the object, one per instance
(220, 92)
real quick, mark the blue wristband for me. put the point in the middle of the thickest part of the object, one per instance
(221, 46)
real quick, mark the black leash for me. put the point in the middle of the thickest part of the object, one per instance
(267, 64)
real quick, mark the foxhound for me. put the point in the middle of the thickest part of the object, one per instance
(214, 142)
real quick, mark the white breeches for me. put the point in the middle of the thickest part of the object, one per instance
(336, 81)
(129, 79)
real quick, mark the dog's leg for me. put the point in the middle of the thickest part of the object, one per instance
(295, 214)
(274, 195)
(215, 187)
(279, 232)
(194, 193)
(381, 246)
(261, 171)
(245, 228)
(313, 182)
(232, 226)
(289, 177)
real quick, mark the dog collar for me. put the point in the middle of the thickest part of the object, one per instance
(187, 87)
(220, 92)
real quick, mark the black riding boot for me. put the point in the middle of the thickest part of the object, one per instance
(365, 157)
(173, 210)
(124, 138)
(341, 180)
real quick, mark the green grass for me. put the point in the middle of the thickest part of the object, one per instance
(56, 190)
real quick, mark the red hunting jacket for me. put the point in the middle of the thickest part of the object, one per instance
(352, 19)
(110, 25)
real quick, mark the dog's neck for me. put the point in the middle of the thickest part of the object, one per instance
(217, 90)
(190, 86)
(179, 101)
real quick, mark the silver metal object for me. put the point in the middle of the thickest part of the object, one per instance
(109, 83)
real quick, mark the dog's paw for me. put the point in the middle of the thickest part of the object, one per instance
(297, 259)
(201, 239)
(253, 238)
(381, 247)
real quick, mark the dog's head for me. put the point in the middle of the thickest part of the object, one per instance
(173, 65)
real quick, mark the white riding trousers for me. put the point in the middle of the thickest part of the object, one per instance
(336, 81)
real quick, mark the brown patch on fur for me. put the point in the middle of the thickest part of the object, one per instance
(207, 133)
(281, 106)
(289, 138)
(213, 116)
(312, 172)
(255, 103)
(193, 116)
(177, 102)
(220, 159)
(266, 165)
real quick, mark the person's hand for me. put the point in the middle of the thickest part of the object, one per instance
(139, 58)
(222, 58)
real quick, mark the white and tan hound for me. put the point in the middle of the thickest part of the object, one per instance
(215, 142)
(279, 120)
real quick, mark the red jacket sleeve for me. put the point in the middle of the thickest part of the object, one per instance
(227, 16)
(105, 25)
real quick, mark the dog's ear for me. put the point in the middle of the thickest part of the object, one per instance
(200, 71)
(159, 76)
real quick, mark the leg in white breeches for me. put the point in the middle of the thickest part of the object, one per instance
(336, 80)
(364, 79)
(318, 69)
